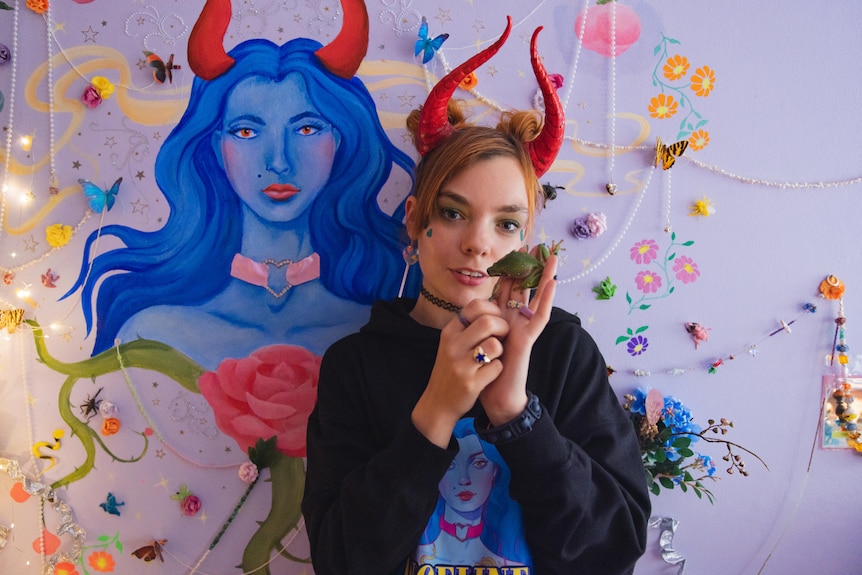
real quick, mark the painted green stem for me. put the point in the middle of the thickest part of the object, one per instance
(288, 483)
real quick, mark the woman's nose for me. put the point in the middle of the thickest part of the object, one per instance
(279, 160)
(476, 240)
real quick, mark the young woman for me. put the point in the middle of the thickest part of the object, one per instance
(380, 441)
(274, 226)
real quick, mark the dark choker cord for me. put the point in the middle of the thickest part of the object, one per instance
(448, 306)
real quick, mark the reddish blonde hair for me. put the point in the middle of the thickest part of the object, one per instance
(468, 145)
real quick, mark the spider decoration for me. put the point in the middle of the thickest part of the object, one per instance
(90, 408)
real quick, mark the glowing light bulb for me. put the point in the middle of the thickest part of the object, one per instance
(26, 142)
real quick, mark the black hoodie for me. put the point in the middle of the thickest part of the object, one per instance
(372, 480)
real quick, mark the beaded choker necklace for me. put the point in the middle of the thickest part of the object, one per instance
(448, 306)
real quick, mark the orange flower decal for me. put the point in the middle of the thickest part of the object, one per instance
(662, 106)
(110, 426)
(469, 82)
(676, 67)
(832, 288)
(65, 568)
(38, 6)
(703, 81)
(699, 140)
(101, 561)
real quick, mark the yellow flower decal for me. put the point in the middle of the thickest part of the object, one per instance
(103, 86)
(702, 207)
(662, 106)
(699, 140)
(703, 81)
(676, 67)
(58, 235)
(469, 82)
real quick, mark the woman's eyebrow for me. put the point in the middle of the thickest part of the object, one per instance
(459, 199)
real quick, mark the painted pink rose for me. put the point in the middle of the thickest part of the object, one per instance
(648, 282)
(644, 251)
(600, 23)
(685, 269)
(91, 97)
(270, 393)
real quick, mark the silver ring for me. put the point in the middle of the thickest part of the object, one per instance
(480, 356)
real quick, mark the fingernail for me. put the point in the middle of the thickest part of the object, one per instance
(555, 276)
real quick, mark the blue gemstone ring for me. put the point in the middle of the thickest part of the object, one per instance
(480, 356)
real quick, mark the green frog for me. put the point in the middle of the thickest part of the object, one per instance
(523, 266)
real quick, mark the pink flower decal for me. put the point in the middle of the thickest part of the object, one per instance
(685, 269)
(270, 393)
(648, 282)
(91, 97)
(644, 251)
(190, 505)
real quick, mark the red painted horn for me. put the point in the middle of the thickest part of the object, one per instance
(343, 55)
(434, 123)
(543, 150)
(207, 56)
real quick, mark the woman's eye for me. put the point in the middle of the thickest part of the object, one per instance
(511, 226)
(480, 463)
(450, 214)
(308, 130)
(244, 133)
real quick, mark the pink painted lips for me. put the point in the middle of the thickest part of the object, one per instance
(281, 192)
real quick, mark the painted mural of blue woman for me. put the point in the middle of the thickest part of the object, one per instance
(275, 234)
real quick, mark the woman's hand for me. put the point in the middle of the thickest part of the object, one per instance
(506, 397)
(458, 377)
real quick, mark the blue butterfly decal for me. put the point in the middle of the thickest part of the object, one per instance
(98, 198)
(426, 46)
(111, 505)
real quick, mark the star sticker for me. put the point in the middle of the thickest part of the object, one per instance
(139, 207)
(157, 136)
(160, 453)
(406, 100)
(492, 71)
(280, 29)
(31, 399)
(444, 16)
(479, 25)
(104, 23)
(140, 175)
(156, 402)
(203, 517)
(155, 384)
(297, 18)
(227, 449)
(89, 35)
(141, 63)
(110, 141)
(582, 105)
(76, 165)
(30, 245)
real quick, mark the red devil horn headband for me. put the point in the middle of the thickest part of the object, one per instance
(543, 150)
(434, 126)
(342, 56)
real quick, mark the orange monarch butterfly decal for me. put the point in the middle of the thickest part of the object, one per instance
(665, 156)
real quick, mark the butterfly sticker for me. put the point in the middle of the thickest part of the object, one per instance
(425, 45)
(665, 156)
(161, 70)
(151, 550)
(98, 198)
(111, 505)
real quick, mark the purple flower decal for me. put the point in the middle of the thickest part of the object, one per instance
(644, 251)
(637, 345)
(685, 269)
(648, 282)
(580, 228)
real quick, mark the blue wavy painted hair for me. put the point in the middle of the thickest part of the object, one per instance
(507, 538)
(187, 261)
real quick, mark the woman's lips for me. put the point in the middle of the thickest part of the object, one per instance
(466, 495)
(280, 192)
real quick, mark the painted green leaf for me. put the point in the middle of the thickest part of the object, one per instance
(628, 297)
(688, 243)
(621, 339)
(644, 306)
(642, 328)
